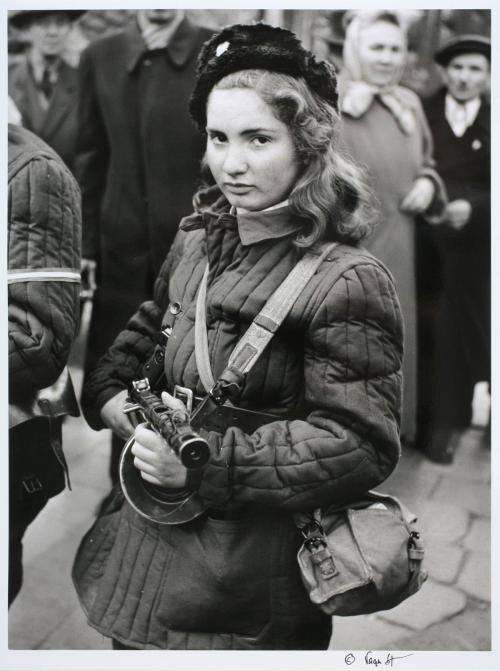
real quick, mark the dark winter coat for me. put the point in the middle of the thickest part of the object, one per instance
(138, 159)
(58, 124)
(44, 240)
(335, 364)
(458, 300)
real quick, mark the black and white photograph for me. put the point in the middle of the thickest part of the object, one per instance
(248, 265)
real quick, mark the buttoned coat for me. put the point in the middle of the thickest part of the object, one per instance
(393, 161)
(334, 366)
(458, 300)
(58, 124)
(138, 160)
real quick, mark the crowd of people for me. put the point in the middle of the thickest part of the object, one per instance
(286, 158)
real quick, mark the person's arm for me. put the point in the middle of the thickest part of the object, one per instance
(44, 260)
(428, 194)
(92, 157)
(124, 360)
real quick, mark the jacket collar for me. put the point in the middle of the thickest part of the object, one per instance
(253, 227)
(179, 47)
(483, 118)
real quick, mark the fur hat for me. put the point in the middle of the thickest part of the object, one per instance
(263, 47)
(20, 19)
(463, 44)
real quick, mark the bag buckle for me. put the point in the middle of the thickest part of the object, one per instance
(32, 484)
(320, 555)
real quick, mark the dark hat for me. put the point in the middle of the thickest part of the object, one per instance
(22, 18)
(463, 44)
(263, 47)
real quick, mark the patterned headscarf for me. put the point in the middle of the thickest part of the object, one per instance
(359, 94)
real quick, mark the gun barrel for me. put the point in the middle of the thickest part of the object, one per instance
(189, 446)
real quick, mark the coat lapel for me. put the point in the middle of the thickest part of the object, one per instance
(62, 101)
(25, 95)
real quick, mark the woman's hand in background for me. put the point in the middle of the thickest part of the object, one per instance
(420, 196)
(114, 418)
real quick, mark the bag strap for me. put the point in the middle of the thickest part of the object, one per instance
(265, 324)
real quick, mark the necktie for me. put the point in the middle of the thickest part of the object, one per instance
(46, 85)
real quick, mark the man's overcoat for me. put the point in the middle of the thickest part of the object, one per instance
(137, 164)
(58, 124)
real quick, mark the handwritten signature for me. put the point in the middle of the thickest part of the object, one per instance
(372, 660)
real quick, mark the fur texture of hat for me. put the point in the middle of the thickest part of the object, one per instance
(21, 18)
(258, 46)
(463, 44)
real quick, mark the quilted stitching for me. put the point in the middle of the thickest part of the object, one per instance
(339, 352)
(44, 232)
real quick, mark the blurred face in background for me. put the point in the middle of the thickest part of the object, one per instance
(161, 16)
(381, 53)
(250, 152)
(467, 76)
(48, 34)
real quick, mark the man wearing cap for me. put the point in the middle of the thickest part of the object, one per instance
(138, 159)
(43, 86)
(459, 117)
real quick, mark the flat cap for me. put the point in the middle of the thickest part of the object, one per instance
(263, 47)
(463, 44)
(21, 18)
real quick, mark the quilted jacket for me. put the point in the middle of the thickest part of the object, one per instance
(44, 239)
(335, 364)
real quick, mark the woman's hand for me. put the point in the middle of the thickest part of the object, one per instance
(458, 213)
(114, 418)
(420, 196)
(156, 460)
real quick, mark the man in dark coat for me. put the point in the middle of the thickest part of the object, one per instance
(459, 117)
(43, 86)
(138, 159)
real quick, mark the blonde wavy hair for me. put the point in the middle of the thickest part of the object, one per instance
(330, 192)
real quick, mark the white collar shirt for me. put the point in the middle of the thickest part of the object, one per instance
(461, 115)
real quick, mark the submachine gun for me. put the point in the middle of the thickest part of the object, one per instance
(159, 504)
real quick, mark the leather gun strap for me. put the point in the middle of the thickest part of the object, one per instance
(201, 337)
(55, 437)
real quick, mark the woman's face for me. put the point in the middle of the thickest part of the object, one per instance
(249, 151)
(381, 53)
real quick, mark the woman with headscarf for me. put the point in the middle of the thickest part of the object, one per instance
(384, 130)
(325, 394)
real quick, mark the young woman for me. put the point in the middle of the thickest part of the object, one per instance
(384, 129)
(229, 579)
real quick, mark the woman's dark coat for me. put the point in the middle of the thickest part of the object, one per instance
(138, 159)
(335, 364)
